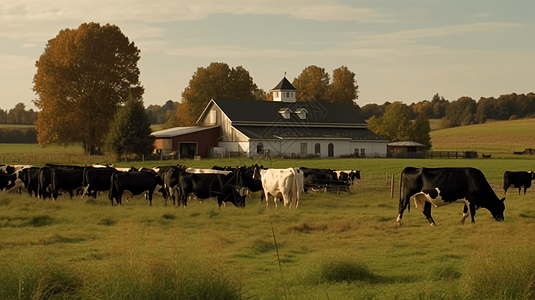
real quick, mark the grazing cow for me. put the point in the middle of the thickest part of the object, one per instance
(7, 181)
(205, 185)
(281, 183)
(96, 179)
(29, 177)
(135, 183)
(517, 180)
(170, 176)
(323, 179)
(7, 169)
(441, 186)
(44, 179)
(66, 180)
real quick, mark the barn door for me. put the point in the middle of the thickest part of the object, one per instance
(304, 151)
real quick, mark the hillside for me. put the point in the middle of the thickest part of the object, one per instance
(496, 137)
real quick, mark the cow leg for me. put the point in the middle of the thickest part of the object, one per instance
(519, 189)
(266, 197)
(465, 214)
(427, 213)
(472, 212)
(525, 188)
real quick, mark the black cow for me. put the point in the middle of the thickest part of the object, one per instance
(322, 179)
(203, 186)
(96, 180)
(7, 181)
(170, 177)
(30, 179)
(44, 179)
(134, 182)
(517, 180)
(442, 186)
(67, 180)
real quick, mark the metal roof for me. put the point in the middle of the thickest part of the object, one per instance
(176, 131)
(292, 132)
(405, 144)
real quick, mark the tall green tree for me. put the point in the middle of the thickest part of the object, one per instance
(421, 130)
(344, 88)
(130, 131)
(217, 81)
(395, 124)
(312, 85)
(82, 77)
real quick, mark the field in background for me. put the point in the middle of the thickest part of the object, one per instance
(343, 246)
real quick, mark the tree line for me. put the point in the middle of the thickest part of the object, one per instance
(18, 115)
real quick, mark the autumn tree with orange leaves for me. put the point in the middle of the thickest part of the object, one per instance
(83, 77)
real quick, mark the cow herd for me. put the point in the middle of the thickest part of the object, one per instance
(175, 183)
(428, 187)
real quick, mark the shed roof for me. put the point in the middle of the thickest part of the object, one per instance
(405, 144)
(177, 131)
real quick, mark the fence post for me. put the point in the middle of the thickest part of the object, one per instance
(392, 187)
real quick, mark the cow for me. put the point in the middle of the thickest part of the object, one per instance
(96, 179)
(207, 185)
(281, 183)
(135, 183)
(66, 180)
(441, 186)
(30, 177)
(170, 177)
(517, 180)
(323, 179)
(7, 181)
(45, 178)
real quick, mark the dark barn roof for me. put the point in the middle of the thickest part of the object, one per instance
(252, 111)
(282, 132)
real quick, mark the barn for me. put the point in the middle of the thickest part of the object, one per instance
(187, 142)
(281, 128)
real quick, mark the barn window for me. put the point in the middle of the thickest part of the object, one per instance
(330, 148)
(317, 149)
(287, 95)
(213, 116)
(363, 152)
(259, 148)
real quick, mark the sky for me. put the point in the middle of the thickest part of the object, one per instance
(405, 51)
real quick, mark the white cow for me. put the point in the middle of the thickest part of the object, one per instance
(281, 183)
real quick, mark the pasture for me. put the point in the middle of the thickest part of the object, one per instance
(344, 246)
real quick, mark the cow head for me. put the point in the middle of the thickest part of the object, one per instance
(497, 211)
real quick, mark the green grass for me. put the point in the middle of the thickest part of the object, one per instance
(501, 137)
(344, 246)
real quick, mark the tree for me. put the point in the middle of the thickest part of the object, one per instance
(82, 77)
(130, 131)
(217, 81)
(421, 129)
(395, 124)
(312, 84)
(344, 88)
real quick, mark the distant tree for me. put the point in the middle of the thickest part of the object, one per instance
(217, 81)
(260, 94)
(130, 131)
(421, 130)
(312, 84)
(395, 124)
(344, 88)
(82, 78)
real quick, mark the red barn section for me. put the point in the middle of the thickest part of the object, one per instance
(187, 142)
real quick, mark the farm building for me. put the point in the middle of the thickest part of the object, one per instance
(282, 127)
(406, 149)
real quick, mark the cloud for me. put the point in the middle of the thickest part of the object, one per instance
(36, 20)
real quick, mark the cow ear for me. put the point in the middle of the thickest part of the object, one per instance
(503, 199)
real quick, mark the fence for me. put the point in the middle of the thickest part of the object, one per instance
(451, 154)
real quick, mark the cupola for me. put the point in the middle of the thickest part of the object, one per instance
(284, 91)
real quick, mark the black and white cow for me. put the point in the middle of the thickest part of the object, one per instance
(7, 181)
(135, 183)
(170, 177)
(204, 185)
(517, 180)
(96, 179)
(441, 186)
(30, 179)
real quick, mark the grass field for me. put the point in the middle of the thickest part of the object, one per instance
(344, 246)
(503, 137)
